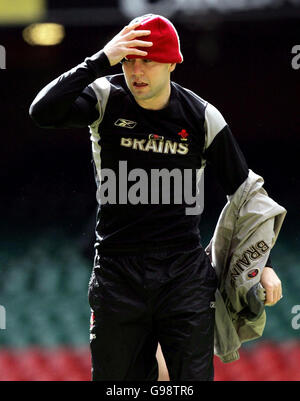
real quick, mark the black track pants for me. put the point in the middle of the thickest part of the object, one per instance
(138, 301)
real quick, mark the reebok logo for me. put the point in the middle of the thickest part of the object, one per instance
(121, 122)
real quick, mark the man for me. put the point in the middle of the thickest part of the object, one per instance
(152, 280)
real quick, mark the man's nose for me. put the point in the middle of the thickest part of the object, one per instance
(137, 67)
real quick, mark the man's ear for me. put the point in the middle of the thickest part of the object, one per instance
(172, 67)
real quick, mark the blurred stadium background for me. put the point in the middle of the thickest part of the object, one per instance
(238, 55)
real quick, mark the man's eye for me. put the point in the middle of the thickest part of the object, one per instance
(146, 60)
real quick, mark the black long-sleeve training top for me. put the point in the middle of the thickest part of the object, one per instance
(130, 143)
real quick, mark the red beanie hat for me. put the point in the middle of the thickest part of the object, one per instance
(166, 45)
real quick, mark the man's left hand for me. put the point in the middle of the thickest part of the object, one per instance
(271, 283)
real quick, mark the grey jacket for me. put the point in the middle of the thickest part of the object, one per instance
(246, 231)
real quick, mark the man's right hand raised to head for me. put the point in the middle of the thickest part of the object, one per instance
(125, 42)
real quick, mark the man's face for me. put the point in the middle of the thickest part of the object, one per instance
(148, 80)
